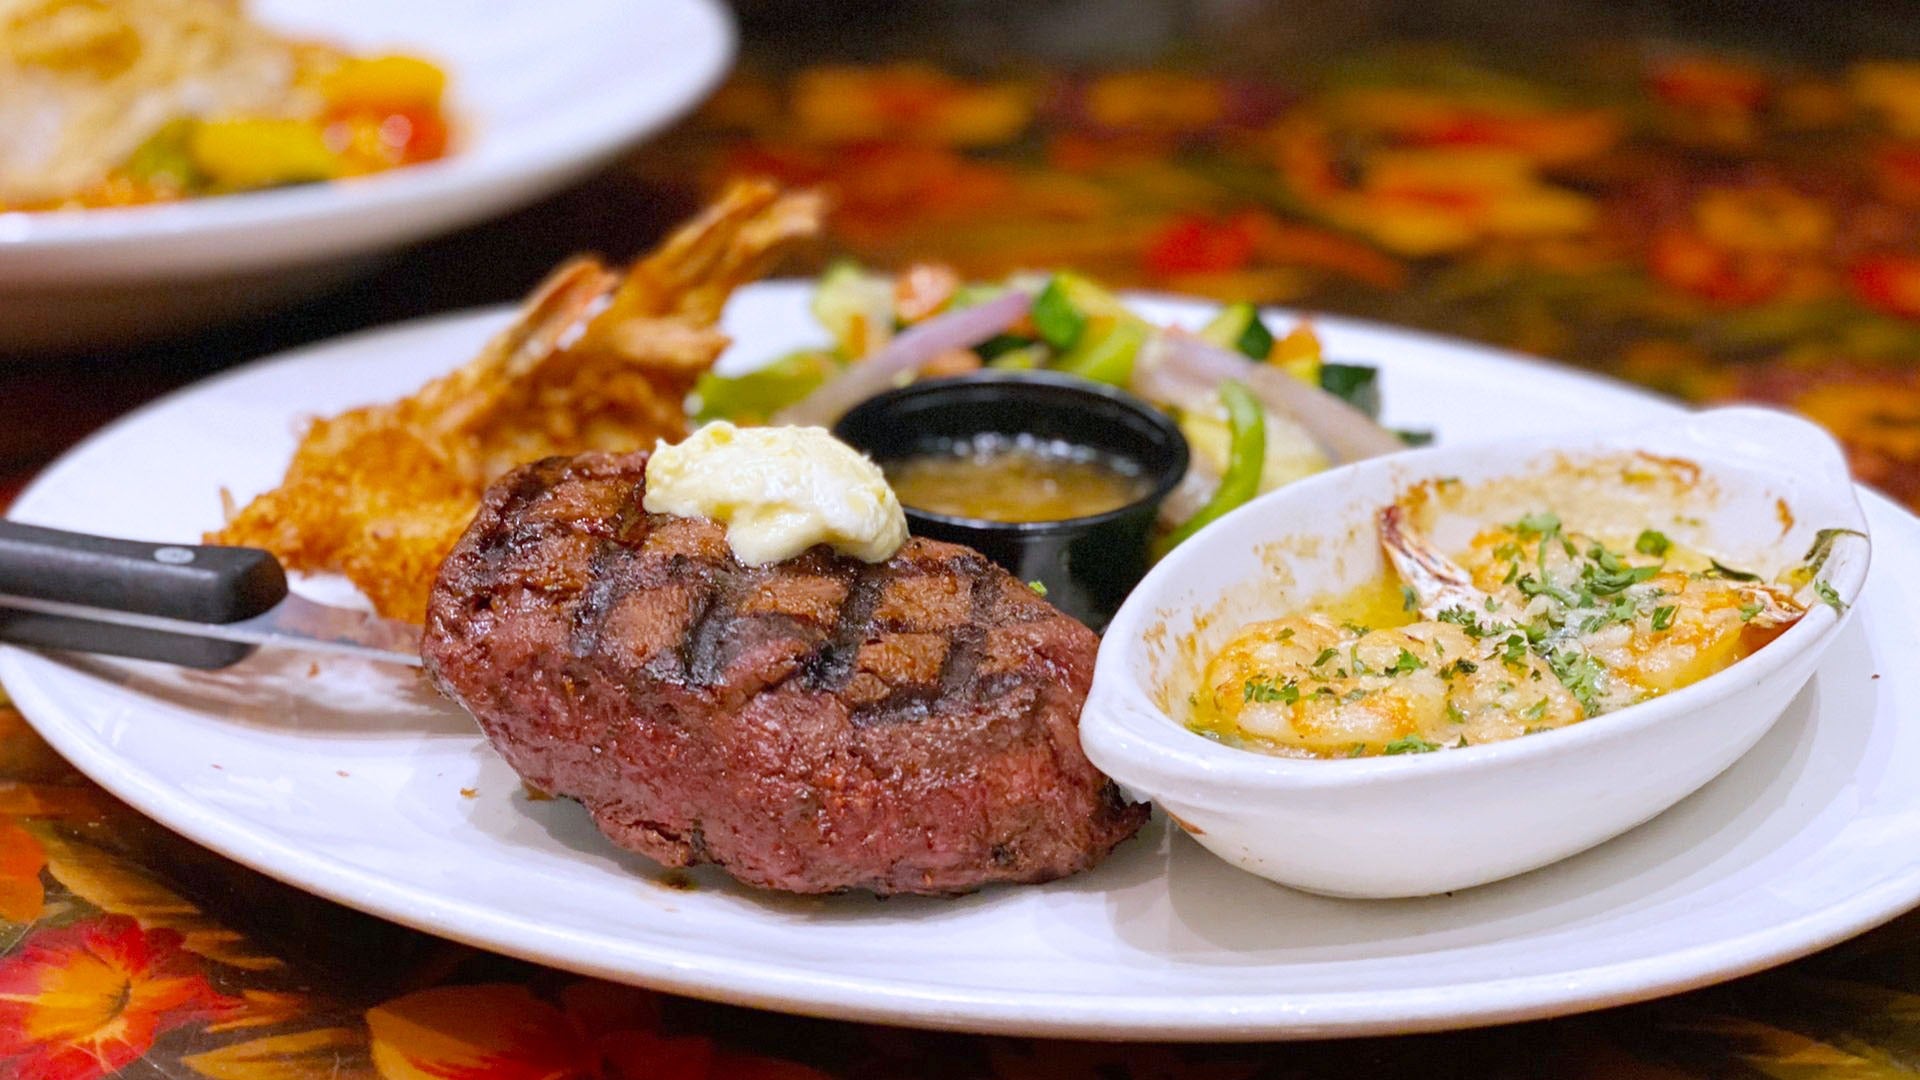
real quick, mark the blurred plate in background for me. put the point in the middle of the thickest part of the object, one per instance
(540, 94)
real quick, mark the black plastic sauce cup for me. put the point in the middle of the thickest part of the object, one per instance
(1087, 564)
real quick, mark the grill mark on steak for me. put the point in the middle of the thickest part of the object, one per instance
(515, 493)
(912, 704)
(590, 616)
(831, 666)
(969, 643)
(703, 651)
(816, 725)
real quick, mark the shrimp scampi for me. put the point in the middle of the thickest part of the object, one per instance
(1534, 627)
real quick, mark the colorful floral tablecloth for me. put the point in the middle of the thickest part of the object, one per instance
(1714, 227)
(125, 950)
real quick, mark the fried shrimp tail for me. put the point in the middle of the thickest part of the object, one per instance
(596, 359)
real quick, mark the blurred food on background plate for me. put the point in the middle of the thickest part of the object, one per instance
(127, 102)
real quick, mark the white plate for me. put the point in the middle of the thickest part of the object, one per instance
(541, 93)
(348, 783)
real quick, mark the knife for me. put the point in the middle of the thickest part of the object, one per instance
(199, 606)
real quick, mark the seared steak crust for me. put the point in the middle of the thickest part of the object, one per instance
(817, 725)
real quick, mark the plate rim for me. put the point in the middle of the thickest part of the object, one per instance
(1052, 1014)
(465, 187)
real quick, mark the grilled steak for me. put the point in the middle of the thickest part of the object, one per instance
(812, 726)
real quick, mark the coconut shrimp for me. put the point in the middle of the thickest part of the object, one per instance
(1535, 627)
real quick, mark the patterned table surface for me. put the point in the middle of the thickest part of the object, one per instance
(1712, 224)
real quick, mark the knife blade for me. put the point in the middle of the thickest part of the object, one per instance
(293, 623)
(203, 606)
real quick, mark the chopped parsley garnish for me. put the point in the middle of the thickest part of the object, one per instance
(1465, 619)
(1039, 587)
(1540, 524)
(1454, 714)
(1514, 649)
(1531, 586)
(1409, 599)
(1405, 664)
(1608, 574)
(1410, 744)
(1462, 666)
(1651, 542)
(1536, 710)
(1359, 666)
(1357, 749)
(1285, 634)
(1748, 611)
(1581, 674)
(1326, 654)
(1356, 629)
(1262, 690)
(1828, 597)
(1354, 695)
(1663, 616)
(1623, 609)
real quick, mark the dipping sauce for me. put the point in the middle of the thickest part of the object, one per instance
(1014, 478)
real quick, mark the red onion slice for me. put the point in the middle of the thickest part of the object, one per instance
(1193, 491)
(1346, 433)
(1176, 385)
(913, 347)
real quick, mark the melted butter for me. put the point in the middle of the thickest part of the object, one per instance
(778, 491)
(1379, 604)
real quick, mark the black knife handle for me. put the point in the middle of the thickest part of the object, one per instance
(40, 631)
(201, 584)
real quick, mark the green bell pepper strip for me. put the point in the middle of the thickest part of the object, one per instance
(1246, 457)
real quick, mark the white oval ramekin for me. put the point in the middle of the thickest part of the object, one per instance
(1419, 824)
